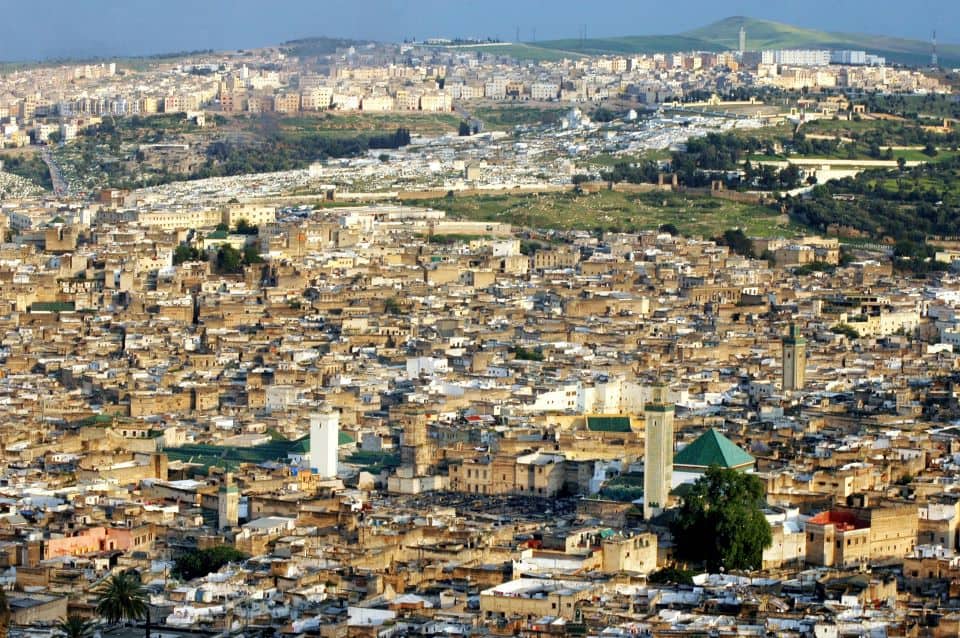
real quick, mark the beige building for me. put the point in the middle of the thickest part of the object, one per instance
(316, 99)
(630, 553)
(859, 533)
(376, 103)
(534, 598)
(535, 474)
(253, 214)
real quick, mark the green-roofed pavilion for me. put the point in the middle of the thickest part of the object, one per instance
(712, 448)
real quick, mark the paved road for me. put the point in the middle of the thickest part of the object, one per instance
(60, 186)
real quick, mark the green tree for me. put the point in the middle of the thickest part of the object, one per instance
(74, 626)
(721, 523)
(122, 597)
(464, 129)
(930, 150)
(737, 241)
(846, 330)
(195, 563)
(229, 260)
(391, 306)
(184, 252)
(251, 254)
(527, 354)
(671, 574)
(603, 115)
(246, 228)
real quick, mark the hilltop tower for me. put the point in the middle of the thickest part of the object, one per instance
(794, 360)
(324, 444)
(934, 60)
(658, 452)
(743, 39)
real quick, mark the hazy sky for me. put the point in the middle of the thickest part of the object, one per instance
(62, 28)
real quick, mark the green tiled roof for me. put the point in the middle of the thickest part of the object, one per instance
(230, 457)
(52, 306)
(302, 445)
(608, 423)
(712, 448)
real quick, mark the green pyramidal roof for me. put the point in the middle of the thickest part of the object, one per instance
(712, 448)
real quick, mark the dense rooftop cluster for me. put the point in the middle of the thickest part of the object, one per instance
(492, 390)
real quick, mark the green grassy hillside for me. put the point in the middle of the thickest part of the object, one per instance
(724, 35)
(766, 34)
(523, 51)
(631, 44)
(553, 50)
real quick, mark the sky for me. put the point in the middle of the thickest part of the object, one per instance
(105, 28)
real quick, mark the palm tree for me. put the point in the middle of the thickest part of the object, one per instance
(74, 626)
(121, 597)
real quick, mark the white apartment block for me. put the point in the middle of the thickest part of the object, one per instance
(544, 90)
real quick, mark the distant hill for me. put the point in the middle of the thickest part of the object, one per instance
(317, 46)
(761, 34)
(631, 44)
(766, 34)
(551, 50)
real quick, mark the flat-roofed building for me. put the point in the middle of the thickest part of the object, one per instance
(535, 597)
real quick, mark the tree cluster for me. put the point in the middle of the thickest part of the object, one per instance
(185, 252)
(904, 204)
(526, 354)
(230, 261)
(246, 228)
(603, 115)
(645, 172)
(281, 152)
(767, 177)
(31, 167)
(737, 241)
(195, 563)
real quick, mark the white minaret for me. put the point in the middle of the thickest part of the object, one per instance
(324, 442)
